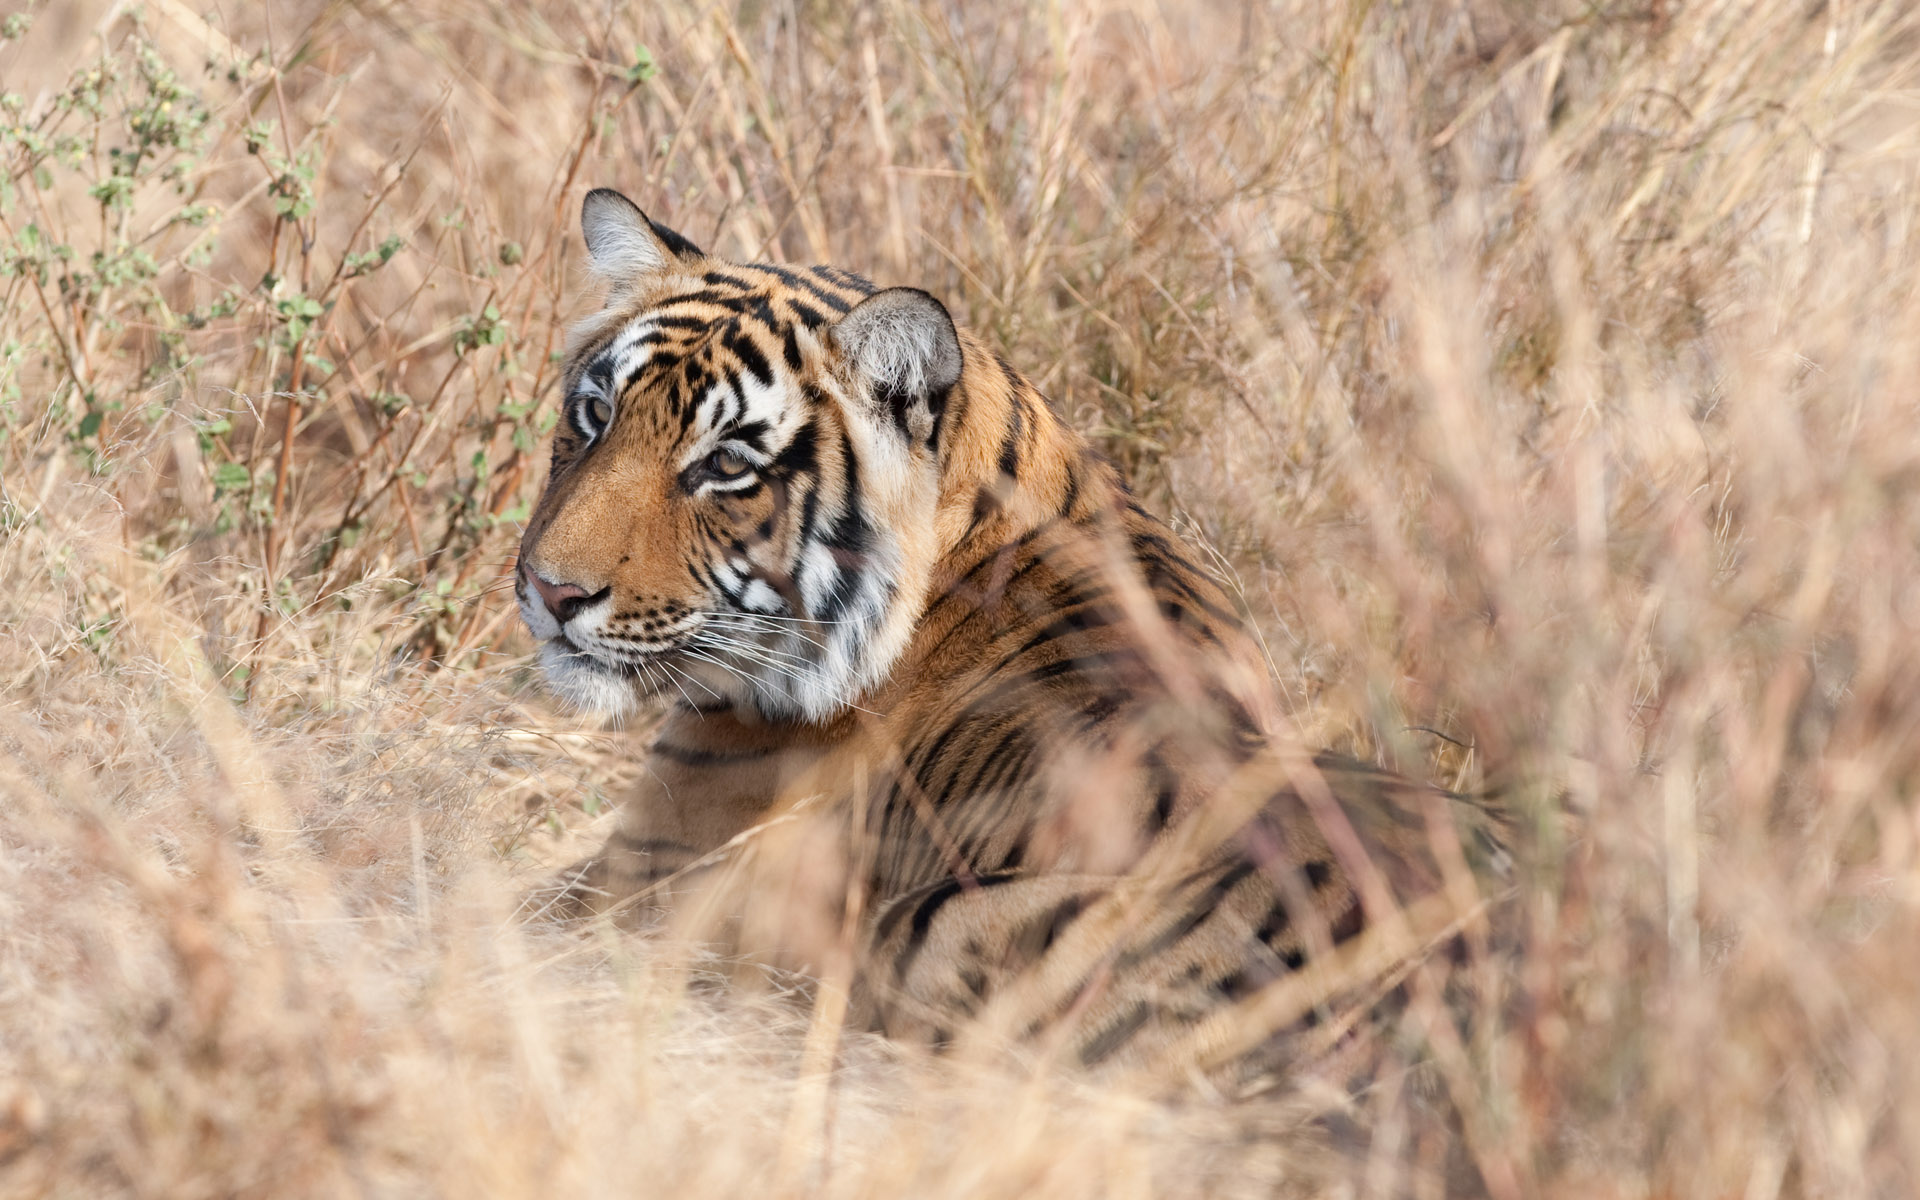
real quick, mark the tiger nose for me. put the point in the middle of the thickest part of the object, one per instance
(563, 600)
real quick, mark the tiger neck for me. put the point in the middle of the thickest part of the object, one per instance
(1009, 465)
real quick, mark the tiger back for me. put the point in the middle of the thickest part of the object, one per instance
(940, 688)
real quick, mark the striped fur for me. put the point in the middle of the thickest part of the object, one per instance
(878, 578)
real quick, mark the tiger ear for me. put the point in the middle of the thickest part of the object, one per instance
(904, 343)
(624, 244)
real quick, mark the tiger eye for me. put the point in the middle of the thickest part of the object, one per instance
(725, 464)
(602, 411)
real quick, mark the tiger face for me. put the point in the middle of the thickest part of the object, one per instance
(743, 456)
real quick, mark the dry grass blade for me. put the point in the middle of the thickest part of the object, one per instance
(1544, 373)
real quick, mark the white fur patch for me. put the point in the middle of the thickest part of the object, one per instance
(904, 338)
(584, 685)
(896, 349)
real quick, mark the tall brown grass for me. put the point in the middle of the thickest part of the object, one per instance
(1547, 375)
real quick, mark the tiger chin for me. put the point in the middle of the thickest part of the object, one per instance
(947, 709)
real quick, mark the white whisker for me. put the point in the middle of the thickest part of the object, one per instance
(734, 626)
(765, 655)
(725, 666)
(774, 617)
(673, 677)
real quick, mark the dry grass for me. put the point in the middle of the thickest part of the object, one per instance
(1546, 373)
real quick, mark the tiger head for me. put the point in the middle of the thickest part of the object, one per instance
(746, 473)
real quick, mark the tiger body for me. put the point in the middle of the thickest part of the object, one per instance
(905, 614)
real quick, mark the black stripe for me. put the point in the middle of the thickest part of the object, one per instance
(753, 433)
(987, 558)
(984, 816)
(731, 301)
(1098, 711)
(923, 914)
(1350, 925)
(993, 756)
(919, 761)
(674, 241)
(794, 279)
(806, 314)
(1015, 381)
(1084, 664)
(1115, 1035)
(601, 373)
(1010, 448)
(851, 531)
(694, 756)
(666, 321)
(977, 611)
(896, 401)
(1165, 783)
(1203, 907)
(748, 352)
(1006, 778)
(1278, 919)
(937, 408)
(1037, 936)
(802, 453)
(809, 511)
(1158, 578)
(1244, 982)
(722, 279)
(1004, 766)
(1017, 853)
(844, 278)
(1060, 629)
(846, 585)
(985, 504)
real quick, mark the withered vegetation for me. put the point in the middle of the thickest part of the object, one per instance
(1545, 374)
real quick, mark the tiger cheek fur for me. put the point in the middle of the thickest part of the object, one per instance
(928, 656)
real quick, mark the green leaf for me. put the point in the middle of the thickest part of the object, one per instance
(230, 477)
(643, 67)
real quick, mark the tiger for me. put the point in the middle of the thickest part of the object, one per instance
(1022, 749)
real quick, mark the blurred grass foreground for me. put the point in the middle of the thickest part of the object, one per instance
(1546, 375)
